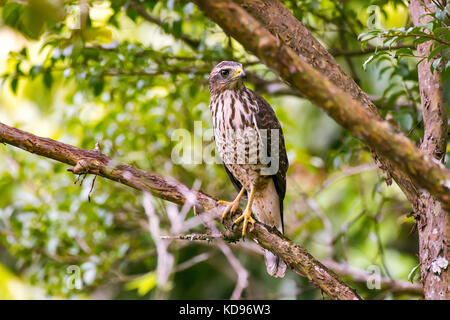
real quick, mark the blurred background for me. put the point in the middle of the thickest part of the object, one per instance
(127, 74)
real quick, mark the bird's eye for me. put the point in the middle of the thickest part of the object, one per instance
(224, 72)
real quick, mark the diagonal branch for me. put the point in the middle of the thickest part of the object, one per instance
(94, 162)
(341, 106)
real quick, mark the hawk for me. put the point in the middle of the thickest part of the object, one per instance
(250, 141)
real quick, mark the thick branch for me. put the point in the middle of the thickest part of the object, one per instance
(341, 106)
(91, 161)
(94, 162)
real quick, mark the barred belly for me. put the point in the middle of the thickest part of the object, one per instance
(237, 138)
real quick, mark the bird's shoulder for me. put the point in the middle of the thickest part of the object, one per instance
(265, 115)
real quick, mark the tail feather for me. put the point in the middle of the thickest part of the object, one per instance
(275, 266)
(268, 209)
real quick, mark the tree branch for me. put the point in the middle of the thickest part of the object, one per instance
(368, 50)
(363, 276)
(94, 162)
(342, 107)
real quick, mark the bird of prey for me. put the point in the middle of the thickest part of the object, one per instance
(250, 141)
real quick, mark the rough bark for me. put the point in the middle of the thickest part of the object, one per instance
(358, 118)
(433, 221)
(94, 162)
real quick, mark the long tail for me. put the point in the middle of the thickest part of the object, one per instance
(266, 207)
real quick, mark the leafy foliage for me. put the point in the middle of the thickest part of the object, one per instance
(130, 73)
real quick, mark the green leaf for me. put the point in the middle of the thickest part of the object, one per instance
(368, 61)
(98, 83)
(407, 51)
(11, 13)
(337, 161)
(48, 79)
(420, 40)
(445, 75)
(131, 13)
(384, 69)
(388, 89)
(430, 26)
(436, 50)
(24, 52)
(34, 71)
(143, 284)
(413, 273)
(176, 27)
(435, 64)
(14, 83)
(383, 56)
(393, 98)
(442, 32)
(377, 187)
(405, 120)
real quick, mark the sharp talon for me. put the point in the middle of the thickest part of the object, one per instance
(231, 207)
(247, 217)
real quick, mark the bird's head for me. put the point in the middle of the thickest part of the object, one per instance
(227, 75)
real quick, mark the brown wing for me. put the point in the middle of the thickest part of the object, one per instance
(266, 119)
(236, 184)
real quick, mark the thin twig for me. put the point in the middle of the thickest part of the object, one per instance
(358, 275)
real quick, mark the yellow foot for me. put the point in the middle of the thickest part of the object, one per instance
(230, 207)
(247, 217)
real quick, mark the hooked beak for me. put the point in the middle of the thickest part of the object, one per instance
(239, 73)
